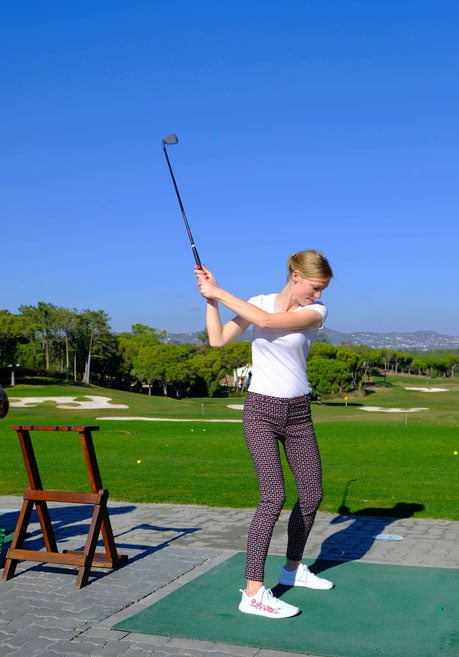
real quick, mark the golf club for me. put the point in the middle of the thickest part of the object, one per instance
(170, 140)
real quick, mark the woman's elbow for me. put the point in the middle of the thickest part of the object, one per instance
(216, 341)
(265, 323)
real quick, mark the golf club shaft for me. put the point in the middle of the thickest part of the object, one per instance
(187, 225)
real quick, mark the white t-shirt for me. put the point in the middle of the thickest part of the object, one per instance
(279, 356)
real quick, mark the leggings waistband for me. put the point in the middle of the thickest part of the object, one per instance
(281, 400)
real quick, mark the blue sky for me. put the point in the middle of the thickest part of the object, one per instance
(324, 124)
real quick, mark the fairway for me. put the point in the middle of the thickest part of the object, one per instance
(372, 461)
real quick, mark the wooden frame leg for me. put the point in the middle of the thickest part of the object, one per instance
(35, 495)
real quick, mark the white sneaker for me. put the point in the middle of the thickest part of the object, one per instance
(303, 577)
(265, 604)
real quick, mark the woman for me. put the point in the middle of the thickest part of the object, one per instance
(277, 410)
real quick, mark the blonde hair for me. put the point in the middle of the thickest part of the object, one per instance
(310, 264)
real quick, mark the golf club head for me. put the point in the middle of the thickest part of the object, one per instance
(170, 140)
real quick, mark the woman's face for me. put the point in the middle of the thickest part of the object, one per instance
(307, 290)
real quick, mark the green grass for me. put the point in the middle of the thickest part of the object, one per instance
(380, 459)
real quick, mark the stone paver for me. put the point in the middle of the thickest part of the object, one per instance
(43, 614)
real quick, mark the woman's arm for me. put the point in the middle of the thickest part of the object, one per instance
(307, 318)
(220, 334)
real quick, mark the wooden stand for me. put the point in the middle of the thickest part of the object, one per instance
(35, 495)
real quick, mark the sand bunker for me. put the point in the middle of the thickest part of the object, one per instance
(374, 409)
(68, 403)
(380, 409)
(428, 389)
(97, 402)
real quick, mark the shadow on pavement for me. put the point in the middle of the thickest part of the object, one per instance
(353, 541)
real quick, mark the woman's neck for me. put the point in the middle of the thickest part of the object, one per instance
(285, 301)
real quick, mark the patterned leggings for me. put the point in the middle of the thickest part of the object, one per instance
(268, 421)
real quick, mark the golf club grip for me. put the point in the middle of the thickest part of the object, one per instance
(196, 256)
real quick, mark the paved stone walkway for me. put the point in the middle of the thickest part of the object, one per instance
(42, 614)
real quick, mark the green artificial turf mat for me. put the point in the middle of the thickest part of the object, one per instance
(374, 610)
(5, 537)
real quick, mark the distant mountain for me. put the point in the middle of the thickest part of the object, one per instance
(416, 341)
(183, 338)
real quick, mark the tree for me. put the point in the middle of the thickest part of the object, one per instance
(452, 361)
(181, 372)
(203, 338)
(329, 377)
(13, 332)
(43, 321)
(353, 361)
(165, 364)
(421, 365)
(66, 323)
(236, 354)
(369, 357)
(210, 369)
(322, 350)
(92, 327)
(141, 337)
